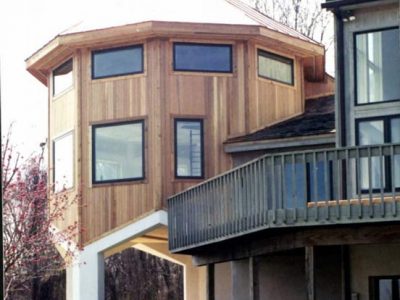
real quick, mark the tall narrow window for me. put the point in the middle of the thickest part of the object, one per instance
(189, 148)
(63, 163)
(62, 77)
(117, 61)
(377, 66)
(275, 67)
(118, 152)
(195, 57)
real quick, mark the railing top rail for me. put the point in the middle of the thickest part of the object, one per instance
(359, 149)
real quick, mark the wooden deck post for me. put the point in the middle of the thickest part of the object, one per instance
(310, 272)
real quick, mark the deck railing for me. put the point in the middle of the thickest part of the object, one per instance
(321, 187)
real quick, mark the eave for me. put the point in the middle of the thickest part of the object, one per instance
(62, 46)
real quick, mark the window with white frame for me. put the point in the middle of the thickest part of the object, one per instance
(63, 162)
(62, 77)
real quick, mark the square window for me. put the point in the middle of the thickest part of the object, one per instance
(63, 162)
(118, 152)
(194, 57)
(275, 67)
(117, 62)
(62, 77)
(377, 56)
(189, 148)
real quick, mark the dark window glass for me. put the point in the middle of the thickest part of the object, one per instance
(378, 66)
(63, 162)
(275, 67)
(118, 152)
(189, 148)
(62, 77)
(202, 57)
(117, 61)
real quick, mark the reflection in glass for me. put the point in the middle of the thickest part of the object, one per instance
(114, 62)
(63, 162)
(385, 289)
(378, 66)
(275, 67)
(118, 152)
(62, 77)
(200, 57)
(371, 133)
(189, 149)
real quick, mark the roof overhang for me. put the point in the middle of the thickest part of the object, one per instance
(59, 48)
(262, 145)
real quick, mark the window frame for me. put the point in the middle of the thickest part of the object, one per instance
(115, 49)
(176, 121)
(71, 132)
(277, 57)
(93, 160)
(355, 65)
(54, 94)
(230, 46)
(374, 286)
(387, 134)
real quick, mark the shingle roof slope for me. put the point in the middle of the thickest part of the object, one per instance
(190, 11)
(318, 118)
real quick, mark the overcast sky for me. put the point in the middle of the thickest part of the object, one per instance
(25, 26)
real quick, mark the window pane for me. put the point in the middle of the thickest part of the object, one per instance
(114, 62)
(189, 149)
(275, 67)
(63, 162)
(205, 58)
(62, 77)
(371, 133)
(378, 66)
(385, 289)
(118, 152)
(395, 138)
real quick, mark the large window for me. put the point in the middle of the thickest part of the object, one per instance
(384, 288)
(63, 163)
(202, 57)
(378, 131)
(118, 152)
(62, 77)
(189, 148)
(275, 67)
(377, 66)
(117, 61)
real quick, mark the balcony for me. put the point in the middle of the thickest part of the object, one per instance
(308, 188)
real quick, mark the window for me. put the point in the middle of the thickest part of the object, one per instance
(117, 61)
(62, 77)
(384, 288)
(118, 152)
(378, 131)
(63, 163)
(377, 66)
(275, 67)
(189, 148)
(202, 57)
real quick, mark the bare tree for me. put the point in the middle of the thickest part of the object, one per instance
(305, 16)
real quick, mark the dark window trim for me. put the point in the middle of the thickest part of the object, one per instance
(54, 160)
(94, 127)
(59, 67)
(355, 65)
(386, 139)
(113, 50)
(374, 286)
(202, 44)
(201, 121)
(280, 58)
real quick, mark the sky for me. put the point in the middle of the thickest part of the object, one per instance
(25, 26)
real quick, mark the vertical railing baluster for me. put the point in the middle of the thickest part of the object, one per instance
(274, 198)
(358, 182)
(370, 208)
(326, 183)
(346, 180)
(307, 183)
(294, 188)
(382, 181)
(393, 181)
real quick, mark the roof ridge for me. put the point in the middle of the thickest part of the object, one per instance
(269, 22)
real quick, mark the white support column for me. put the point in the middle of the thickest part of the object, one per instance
(85, 278)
